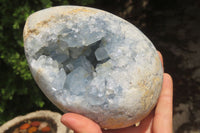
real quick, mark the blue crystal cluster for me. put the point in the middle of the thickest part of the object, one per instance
(93, 63)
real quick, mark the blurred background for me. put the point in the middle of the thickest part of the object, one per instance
(172, 25)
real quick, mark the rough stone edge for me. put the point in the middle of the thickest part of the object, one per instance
(42, 113)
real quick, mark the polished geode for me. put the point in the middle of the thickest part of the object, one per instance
(91, 62)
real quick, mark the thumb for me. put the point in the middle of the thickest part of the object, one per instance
(80, 124)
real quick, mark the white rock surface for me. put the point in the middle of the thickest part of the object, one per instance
(93, 63)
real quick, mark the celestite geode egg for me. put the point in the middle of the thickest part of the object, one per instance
(94, 63)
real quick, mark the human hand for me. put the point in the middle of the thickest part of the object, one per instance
(158, 121)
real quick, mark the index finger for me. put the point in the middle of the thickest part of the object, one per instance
(163, 112)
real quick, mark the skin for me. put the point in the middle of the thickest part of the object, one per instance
(158, 121)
